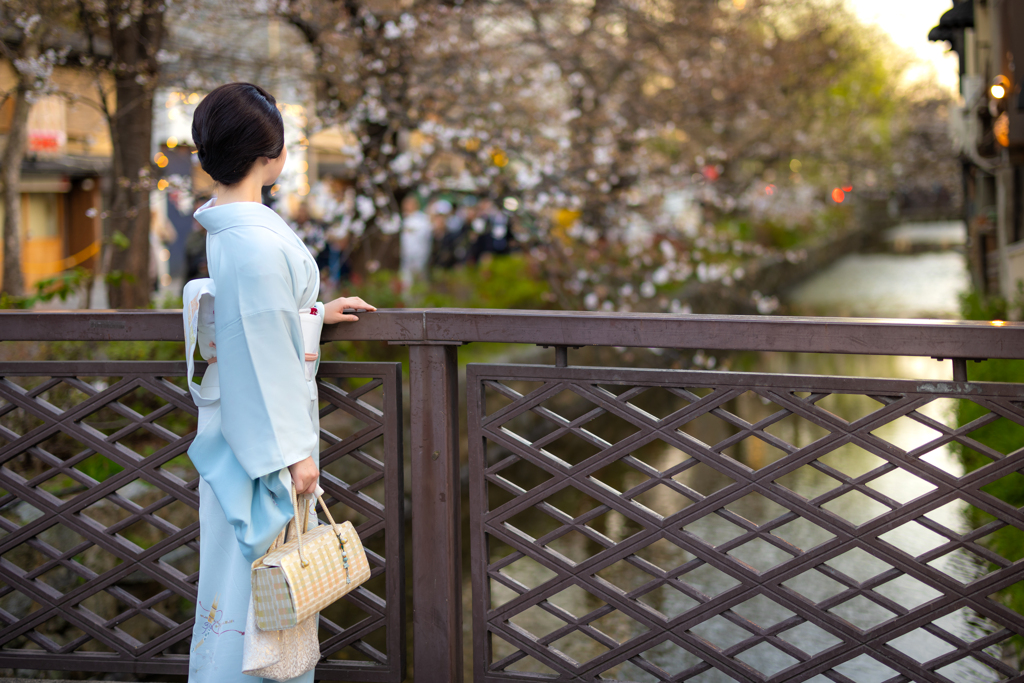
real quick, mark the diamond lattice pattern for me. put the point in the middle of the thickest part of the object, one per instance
(694, 526)
(95, 480)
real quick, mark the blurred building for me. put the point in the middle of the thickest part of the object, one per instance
(66, 162)
(988, 131)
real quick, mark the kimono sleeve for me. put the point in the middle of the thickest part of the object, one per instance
(265, 399)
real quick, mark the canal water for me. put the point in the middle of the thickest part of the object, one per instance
(920, 273)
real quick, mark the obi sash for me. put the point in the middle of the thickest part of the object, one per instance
(257, 509)
(197, 311)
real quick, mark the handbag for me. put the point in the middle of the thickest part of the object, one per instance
(294, 581)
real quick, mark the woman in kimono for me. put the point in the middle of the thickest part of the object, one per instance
(265, 433)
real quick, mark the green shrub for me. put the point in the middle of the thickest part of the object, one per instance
(499, 282)
(1002, 435)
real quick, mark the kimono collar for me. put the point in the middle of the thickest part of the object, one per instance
(219, 218)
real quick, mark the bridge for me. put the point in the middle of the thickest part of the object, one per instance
(607, 537)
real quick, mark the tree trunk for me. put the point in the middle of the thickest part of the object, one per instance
(131, 127)
(129, 209)
(10, 176)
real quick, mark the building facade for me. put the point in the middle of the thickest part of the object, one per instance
(65, 165)
(988, 130)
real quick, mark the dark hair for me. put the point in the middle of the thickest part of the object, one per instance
(232, 127)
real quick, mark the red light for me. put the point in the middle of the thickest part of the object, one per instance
(838, 195)
(848, 188)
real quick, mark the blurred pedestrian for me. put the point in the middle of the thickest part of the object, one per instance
(458, 236)
(443, 255)
(161, 233)
(338, 266)
(311, 232)
(491, 233)
(195, 249)
(417, 235)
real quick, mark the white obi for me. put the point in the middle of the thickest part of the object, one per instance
(200, 330)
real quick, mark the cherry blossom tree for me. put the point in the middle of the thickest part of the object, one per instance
(30, 50)
(595, 116)
(134, 32)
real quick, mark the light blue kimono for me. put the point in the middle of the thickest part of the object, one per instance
(267, 419)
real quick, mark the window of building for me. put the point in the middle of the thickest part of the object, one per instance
(41, 218)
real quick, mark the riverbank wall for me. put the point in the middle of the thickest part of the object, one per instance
(773, 274)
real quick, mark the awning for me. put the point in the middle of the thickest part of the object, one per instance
(953, 21)
(73, 166)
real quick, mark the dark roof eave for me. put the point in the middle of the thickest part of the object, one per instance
(961, 16)
(940, 33)
(74, 166)
(953, 20)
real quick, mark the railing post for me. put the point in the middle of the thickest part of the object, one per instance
(436, 520)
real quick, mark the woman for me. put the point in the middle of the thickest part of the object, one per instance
(265, 434)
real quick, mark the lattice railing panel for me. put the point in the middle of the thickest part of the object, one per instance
(363, 635)
(99, 524)
(651, 525)
(99, 551)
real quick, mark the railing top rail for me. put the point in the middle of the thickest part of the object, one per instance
(938, 338)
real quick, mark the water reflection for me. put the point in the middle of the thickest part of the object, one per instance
(862, 285)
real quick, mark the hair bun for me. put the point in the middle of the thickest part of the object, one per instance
(232, 127)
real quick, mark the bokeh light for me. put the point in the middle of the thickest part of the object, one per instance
(1000, 86)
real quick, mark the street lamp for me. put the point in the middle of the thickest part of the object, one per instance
(1000, 86)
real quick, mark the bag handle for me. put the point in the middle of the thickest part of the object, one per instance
(282, 537)
(302, 530)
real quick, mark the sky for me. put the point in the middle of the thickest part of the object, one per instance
(908, 22)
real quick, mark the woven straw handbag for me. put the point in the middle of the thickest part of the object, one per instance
(297, 579)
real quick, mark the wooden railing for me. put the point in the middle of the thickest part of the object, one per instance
(97, 502)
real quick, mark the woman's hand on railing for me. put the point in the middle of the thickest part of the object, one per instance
(334, 310)
(304, 475)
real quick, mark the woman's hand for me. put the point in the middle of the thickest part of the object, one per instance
(333, 309)
(304, 475)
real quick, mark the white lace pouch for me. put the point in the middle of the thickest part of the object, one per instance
(280, 655)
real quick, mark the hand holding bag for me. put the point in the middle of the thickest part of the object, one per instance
(296, 580)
